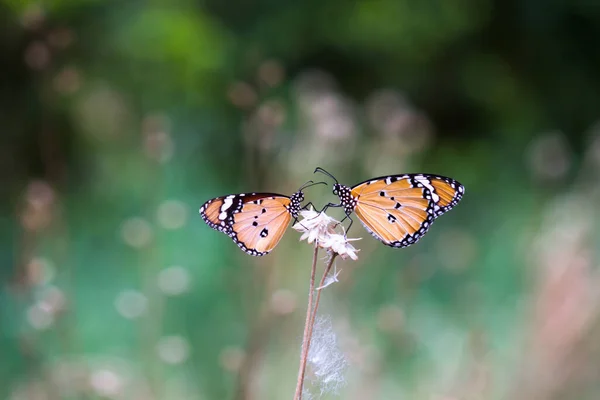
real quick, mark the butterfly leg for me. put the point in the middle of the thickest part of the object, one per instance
(351, 222)
(304, 208)
(329, 205)
(296, 221)
(309, 204)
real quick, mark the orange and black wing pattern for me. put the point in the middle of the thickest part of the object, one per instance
(398, 210)
(256, 222)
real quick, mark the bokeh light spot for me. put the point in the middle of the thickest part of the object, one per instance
(283, 302)
(37, 56)
(61, 38)
(136, 232)
(242, 95)
(52, 300)
(172, 214)
(131, 304)
(33, 16)
(67, 81)
(271, 73)
(174, 280)
(231, 358)
(106, 382)
(173, 349)
(158, 144)
(39, 317)
(39, 195)
(40, 271)
(549, 156)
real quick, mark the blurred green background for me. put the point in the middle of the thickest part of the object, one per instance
(120, 118)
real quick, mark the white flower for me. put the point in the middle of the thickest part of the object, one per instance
(340, 244)
(320, 227)
(315, 226)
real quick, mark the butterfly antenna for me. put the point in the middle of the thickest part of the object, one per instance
(311, 183)
(321, 170)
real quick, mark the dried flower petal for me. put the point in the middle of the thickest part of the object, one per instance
(340, 244)
(331, 278)
(320, 228)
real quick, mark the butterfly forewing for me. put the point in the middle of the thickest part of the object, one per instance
(211, 210)
(447, 193)
(254, 221)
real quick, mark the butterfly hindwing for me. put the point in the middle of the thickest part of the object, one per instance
(254, 221)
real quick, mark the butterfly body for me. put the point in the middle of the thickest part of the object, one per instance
(399, 209)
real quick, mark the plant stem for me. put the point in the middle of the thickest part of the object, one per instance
(307, 330)
(311, 315)
(316, 307)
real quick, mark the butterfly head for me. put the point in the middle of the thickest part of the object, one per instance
(337, 188)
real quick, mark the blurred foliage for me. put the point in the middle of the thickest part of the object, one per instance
(119, 119)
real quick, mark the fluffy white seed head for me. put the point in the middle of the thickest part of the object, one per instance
(326, 361)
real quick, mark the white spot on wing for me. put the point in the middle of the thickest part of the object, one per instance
(226, 204)
(427, 183)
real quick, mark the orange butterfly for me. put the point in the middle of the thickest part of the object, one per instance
(398, 209)
(256, 222)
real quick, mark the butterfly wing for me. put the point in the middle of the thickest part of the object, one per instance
(256, 222)
(261, 223)
(398, 210)
(445, 192)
